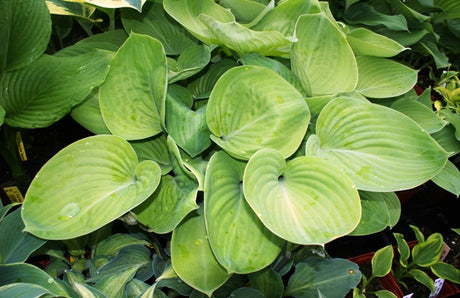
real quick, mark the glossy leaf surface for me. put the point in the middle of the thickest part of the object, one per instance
(382, 261)
(85, 186)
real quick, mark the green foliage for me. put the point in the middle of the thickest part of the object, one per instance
(233, 139)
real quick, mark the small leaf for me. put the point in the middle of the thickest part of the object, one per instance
(423, 278)
(382, 78)
(382, 261)
(190, 61)
(449, 178)
(385, 294)
(446, 271)
(108, 169)
(132, 98)
(428, 253)
(418, 234)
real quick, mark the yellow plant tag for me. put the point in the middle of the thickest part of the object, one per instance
(20, 145)
(14, 194)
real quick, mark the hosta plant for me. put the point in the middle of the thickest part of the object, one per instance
(234, 139)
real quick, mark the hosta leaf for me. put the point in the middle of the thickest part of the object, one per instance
(446, 138)
(382, 261)
(284, 16)
(275, 65)
(16, 245)
(366, 42)
(428, 252)
(322, 59)
(88, 291)
(85, 186)
(26, 30)
(268, 282)
(379, 148)
(363, 13)
(30, 274)
(305, 201)
(246, 292)
(384, 294)
(244, 40)
(252, 107)
(449, 178)
(43, 92)
(136, 4)
(132, 97)
(156, 149)
(422, 278)
(67, 8)
(421, 114)
(187, 14)
(244, 10)
(2, 115)
(187, 126)
(452, 118)
(114, 285)
(446, 271)
(190, 61)
(115, 243)
(191, 253)
(403, 249)
(135, 288)
(23, 290)
(201, 88)
(382, 78)
(88, 114)
(385, 204)
(333, 277)
(239, 240)
(153, 21)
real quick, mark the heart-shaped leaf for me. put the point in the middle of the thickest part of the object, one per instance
(132, 98)
(305, 201)
(85, 186)
(379, 148)
(322, 59)
(239, 240)
(26, 30)
(252, 107)
(191, 253)
(153, 21)
(43, 92)
(382, 78)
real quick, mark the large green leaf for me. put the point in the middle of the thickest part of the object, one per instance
(187, 14)
(379, 210)
(114, 285)
(239, 240)
(363, 13)
(85, 186)
(43, 92)
(88, 114)
(305, 201)
(190, 61)
(382, 78)
(16, 245)
(332, 277)
(252, 107)
(132, 99)
(191, 253)
(186, 126)
(379, 148)
(244, 40)
(30, 274)
(20, 289)
(322, 59)
(153, 21)
(366, 42)
(26, 30)
(449, 178)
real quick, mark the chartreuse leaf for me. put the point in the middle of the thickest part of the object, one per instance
(284, 16)
(114, 285)
(366, 42)
(26, 30)
(418, 234)
(153, 21)
(420, 113)
(191, 253)
(113, 244)
(16, 245)
(333, 277)
(136, 4)
(384, 294)
(449, 178)
(88, 114)
(239, 240)
(43, 92)
(379, 148)
(268, 282)
(30, 274)
(403, 249)
(85, 186)
(244, 40)
(422, 278)
(190, 61)
(132, 98)
(23, 290)
(428, 252)
(156, 149)
(382, 78)
(187, 14)
(389, 210)
(446, 271)
(68, 8)
(305, 200)
(185, 125)
(322, 59)
(252, 107)
(382, 261)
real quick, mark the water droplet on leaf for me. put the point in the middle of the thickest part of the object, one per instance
(69, 211)
(198, 242)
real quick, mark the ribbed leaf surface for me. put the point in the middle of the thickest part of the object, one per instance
(366, 42)
(421, 114)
